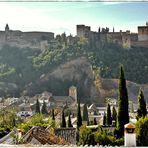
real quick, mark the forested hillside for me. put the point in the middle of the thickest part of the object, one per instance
(25, 68)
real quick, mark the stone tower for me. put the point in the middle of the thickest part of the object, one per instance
(73, 92)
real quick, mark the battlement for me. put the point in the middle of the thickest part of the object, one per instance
(120, 37)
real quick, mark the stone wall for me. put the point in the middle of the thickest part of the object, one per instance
(21, 39)
(69, 134)
(143, 33)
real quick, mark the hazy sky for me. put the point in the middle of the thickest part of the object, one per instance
(59, 17)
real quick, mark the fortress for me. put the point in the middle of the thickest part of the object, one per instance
(44, 40)
(35, 40)
(125, 39)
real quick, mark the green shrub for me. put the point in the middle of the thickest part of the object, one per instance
(103, 139)
(36, 120)
(142, 131)
(85, 135)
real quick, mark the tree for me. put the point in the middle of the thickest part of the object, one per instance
(114, 114)
(63, 124)
(108, 117)
(79, 118)
(142, 132)
(113, 29)
(69, 121)
(95, 121)
(123, 115)
(99, 30)
(53, 117)
(104, 119)
(44, 108)
(85, 135)
(142, 111)
(13, 122)
(37, 108)
(85, 113)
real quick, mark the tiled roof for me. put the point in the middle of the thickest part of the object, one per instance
(42, 136)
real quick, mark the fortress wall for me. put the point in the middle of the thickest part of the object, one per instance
(115, 37)
(143, 37)
(140, 44)
(38, 36)
(2, 36)
(134, 37)
(143, 33)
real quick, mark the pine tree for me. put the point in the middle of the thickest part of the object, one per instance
(104, 119)
(95, 121)
(123, 115)
(44, 108)
(142, 111)
(53, 117)
(108, 117)
(69, 121)
(85, 113)
(63, 124)
(79, 117)
(37, 109)
(114, 114)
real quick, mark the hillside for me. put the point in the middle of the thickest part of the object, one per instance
(109, 88)
(80, 63)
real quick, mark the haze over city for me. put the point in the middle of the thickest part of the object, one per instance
(59, 17)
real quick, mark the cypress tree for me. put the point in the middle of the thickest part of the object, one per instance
(142, 111)
(13, 122)
(123, 115)
(108, 117)
(69, 121)
(37, 108)
(114, 114)
(79, 117)
(44, 108)
(85, 113)
(104, 119)
(63, 124)
(53, 117)
(95, 121)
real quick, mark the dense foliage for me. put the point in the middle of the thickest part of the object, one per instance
(24, 68)
(36, 120)
(142, 111)
(98, 137)
(142, 132)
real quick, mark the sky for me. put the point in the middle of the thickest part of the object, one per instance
(59, 17)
